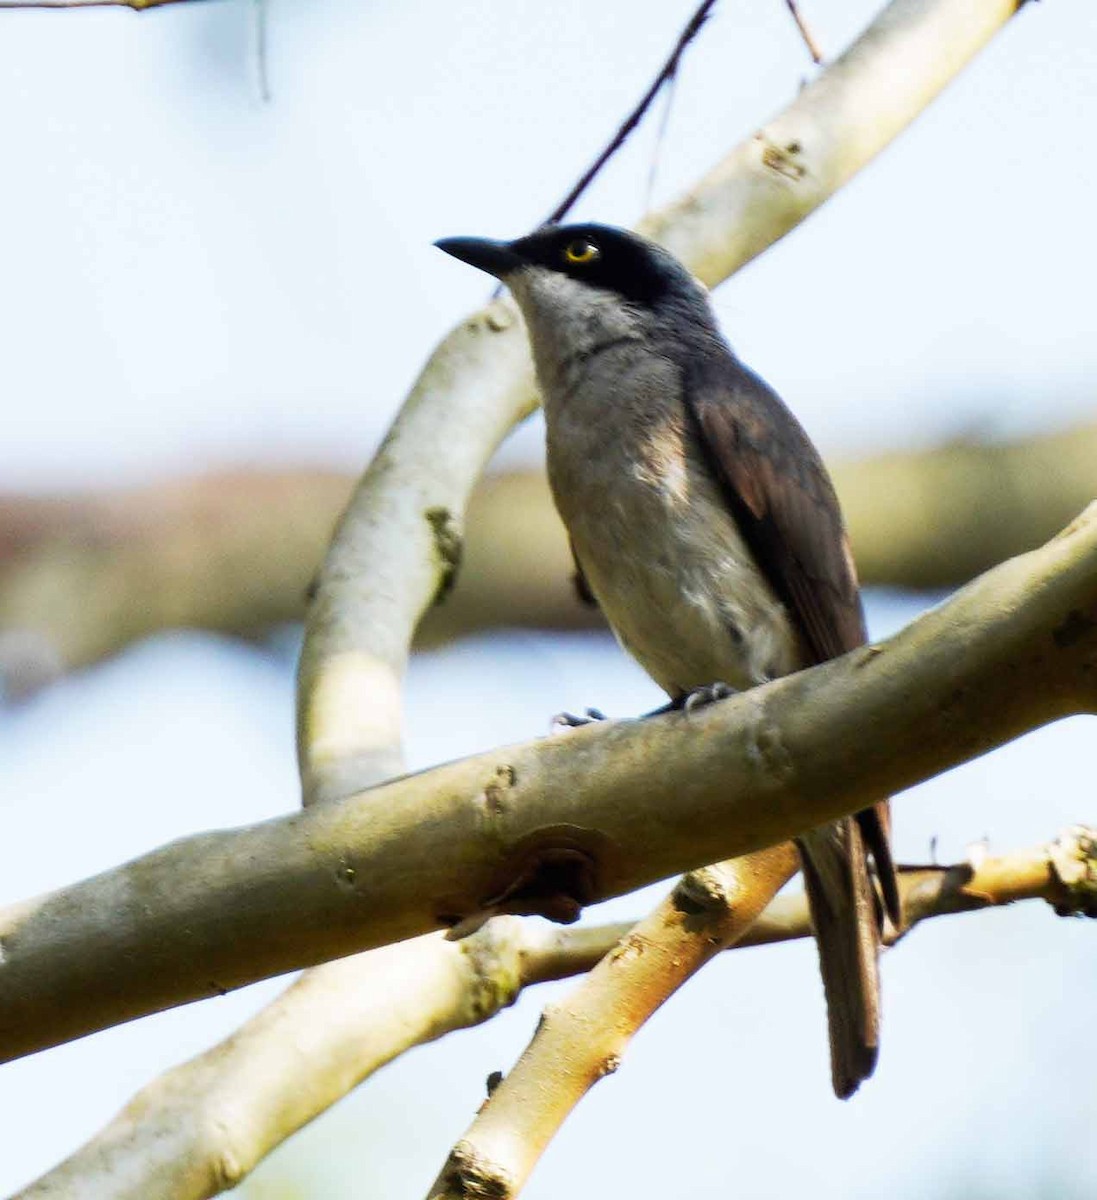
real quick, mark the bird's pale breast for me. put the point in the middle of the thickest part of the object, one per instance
(653, 534)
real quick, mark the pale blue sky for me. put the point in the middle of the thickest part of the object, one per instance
(193, 277)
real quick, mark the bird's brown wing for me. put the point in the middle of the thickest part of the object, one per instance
(783, 501)
(784, 504)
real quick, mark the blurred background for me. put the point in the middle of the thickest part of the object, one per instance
(195, 278)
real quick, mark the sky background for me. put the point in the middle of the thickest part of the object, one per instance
(193, 277)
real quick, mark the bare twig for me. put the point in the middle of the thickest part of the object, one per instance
(805, 33)
(135, 5)
(260, 26)
(666, 74)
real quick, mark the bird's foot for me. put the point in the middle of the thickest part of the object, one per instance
(703, 696)
(566, 720)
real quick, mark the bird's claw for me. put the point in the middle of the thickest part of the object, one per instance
(709, 694)
(566, 720)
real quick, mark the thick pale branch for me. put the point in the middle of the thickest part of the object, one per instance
(398, 548)
(201, 1127)
(583, 1039)
(1012, 651)
(838, 123)
(384, 1002)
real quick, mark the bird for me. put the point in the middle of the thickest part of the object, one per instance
(704, 524)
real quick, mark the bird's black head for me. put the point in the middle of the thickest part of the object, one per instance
(602, 256)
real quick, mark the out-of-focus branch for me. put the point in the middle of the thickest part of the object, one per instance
(419, 990)
(562, 820)
(201, 1128)
(136, 5)
(82, 577)
(583, 1039)
(86, 575)
(938, 517)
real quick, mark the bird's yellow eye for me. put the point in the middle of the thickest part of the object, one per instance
(581, 251)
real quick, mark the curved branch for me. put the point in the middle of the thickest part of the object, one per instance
(398, 548)
(518, 826)
(420, 990)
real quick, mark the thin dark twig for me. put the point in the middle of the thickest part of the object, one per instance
(259, 11)
(670, 68)
(136, 5)
(660, 139)
(805, 33)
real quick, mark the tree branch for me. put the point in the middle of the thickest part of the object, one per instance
(837, 125)
(519, 826)
(422, 989)
(583, 1039)
(398, 549)
(82, 576)
(135, 5)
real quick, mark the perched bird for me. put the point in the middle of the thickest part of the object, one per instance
(704, 524)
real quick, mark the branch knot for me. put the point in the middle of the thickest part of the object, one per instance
(494, 954)
(1073, 860)
(468, 1175)
(705, 896)
(449, 547)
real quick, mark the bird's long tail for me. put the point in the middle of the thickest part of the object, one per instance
(846, 916)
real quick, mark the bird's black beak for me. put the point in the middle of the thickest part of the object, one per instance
(497, 258)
